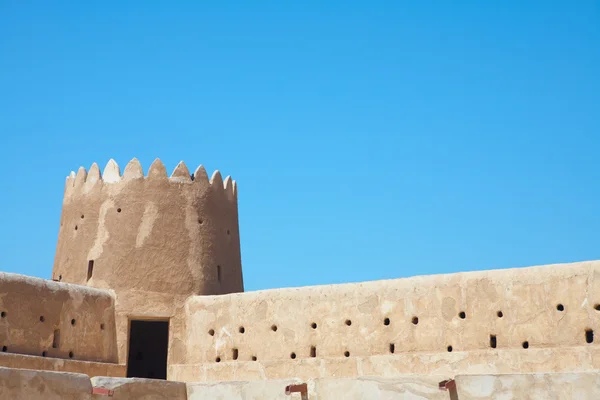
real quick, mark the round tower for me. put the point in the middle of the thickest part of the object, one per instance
(173, 235)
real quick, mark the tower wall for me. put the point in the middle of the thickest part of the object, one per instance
(176, 235)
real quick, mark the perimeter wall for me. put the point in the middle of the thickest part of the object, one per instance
(528, 313)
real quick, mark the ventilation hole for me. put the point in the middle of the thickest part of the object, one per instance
(499, 314)
(392, 348)
(462, 315)
(73, 321)
(211, 332)
(3, 314)
(4, 348)
(415, 320)
(234, 354)
(82, 216)
(293, 356)
(254, 358)
(560, 307)
(274, 328)
(589, 336)
(44, 353)
(101, 327)
(313, 351)
(449, 349)
(346, 353)
(386, 321)
(314, 325)
(90, 269)
(218, 359)
(42, 319)
(70, 354)
(348, 322)
(118, 210)
(228, 231)
(493, 341)
(76, 227)
(597, 307)
(56, 339)
(219, 273)
(60, 278)
(526, 344)
(200, 221)
(242, 330)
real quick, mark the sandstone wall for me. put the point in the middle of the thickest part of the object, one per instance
(518, 309)
(50, 319)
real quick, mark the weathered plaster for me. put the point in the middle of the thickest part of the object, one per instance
(34, 309)
(365, 319)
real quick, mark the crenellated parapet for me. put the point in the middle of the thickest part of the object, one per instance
(84, 182)
(176, 234)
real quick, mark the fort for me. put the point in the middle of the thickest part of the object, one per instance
(147, 301)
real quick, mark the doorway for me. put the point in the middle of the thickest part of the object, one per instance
(148, 348)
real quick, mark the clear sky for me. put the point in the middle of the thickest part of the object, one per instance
(370, 139)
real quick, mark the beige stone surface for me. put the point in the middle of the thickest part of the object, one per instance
(56, 364)
(154, 240)
(250, 390)
(364, 319)
(140, 389)
(410, 387)
(567, 359)
(41, 317)
(22, 384)
(572, 386)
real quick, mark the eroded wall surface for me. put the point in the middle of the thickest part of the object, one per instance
(21, 384)
(51, 319)
(520, 310)
(142, 389)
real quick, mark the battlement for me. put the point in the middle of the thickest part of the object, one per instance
(84, 181)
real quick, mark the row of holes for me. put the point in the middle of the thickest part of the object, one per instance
(200, 220)
(348, 322)
(387, 321)
(589, 338)
(43, 319)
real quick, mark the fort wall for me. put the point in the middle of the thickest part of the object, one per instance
(176, 234)
(50, 319)
(520, 310)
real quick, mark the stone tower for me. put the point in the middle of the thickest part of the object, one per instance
(169, 235)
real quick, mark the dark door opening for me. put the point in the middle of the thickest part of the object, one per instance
(148, 346)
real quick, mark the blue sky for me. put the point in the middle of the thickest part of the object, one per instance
(370, 140)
